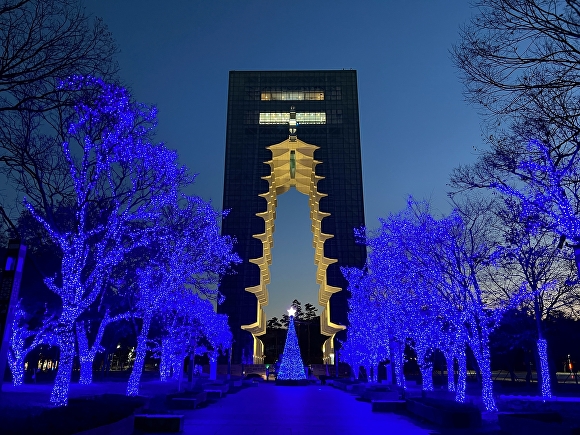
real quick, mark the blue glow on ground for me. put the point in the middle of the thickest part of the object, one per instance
(263, 409)
(295, 410)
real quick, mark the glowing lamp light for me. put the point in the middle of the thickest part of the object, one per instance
(291, 311)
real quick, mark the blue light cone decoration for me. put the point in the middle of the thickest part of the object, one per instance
(292, 367)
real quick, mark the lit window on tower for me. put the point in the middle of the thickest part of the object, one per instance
(292, 95)
(301, 117)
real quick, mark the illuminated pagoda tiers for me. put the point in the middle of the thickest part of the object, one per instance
(292, 367)
(266, 157)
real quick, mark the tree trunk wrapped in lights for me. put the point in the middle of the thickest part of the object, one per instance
(479, 345)
(66, 344)
(88, 353)
(119, 184)
(399, 357)
(425, 366)
(461, 376)
(23, 340)
(424, 273)
(165, 361)
(140, 354)
(544, 369)
(450, 362)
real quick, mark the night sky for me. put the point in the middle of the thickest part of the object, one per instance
(415, 125)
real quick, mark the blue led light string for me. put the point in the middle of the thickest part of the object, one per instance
(24, 339)
(367, 341)
(178, 287)
(428, 270)
(292, 366)
(117, 174)
(543, 356)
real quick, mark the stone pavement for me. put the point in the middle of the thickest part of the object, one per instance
(279, 410)
(263, 409)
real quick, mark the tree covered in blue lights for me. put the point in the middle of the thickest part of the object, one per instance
(535, 182)
(521, 69)
(292, 366)
(367, 341)
(190, 326)
(403, 296)
(431, 279)
(178, 283)
(89, 344)
(529, 257)
(27, 334)
(119, 182)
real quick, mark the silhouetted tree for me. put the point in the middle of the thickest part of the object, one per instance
(285, 320)
(43, 43)
(117, 174)
(273, 323)
(521, 58)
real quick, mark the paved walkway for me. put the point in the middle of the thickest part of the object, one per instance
(277, 410)
(263, 409)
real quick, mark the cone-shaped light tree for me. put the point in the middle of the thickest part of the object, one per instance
(292, 367)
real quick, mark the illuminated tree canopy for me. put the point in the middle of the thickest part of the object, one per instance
(427, 277)
(121, 185)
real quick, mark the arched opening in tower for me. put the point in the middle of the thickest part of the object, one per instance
(293, 165)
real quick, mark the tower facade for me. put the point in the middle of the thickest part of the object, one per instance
(291, 129)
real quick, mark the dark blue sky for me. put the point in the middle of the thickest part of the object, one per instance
(415, 126)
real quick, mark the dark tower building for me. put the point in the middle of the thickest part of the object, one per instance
(291, 129)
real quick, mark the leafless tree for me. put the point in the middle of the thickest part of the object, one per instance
(522, 58)
(42, 42)
(520, 62)
(531, 256)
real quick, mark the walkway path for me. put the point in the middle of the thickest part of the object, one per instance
(263, 409)
(276, 410)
